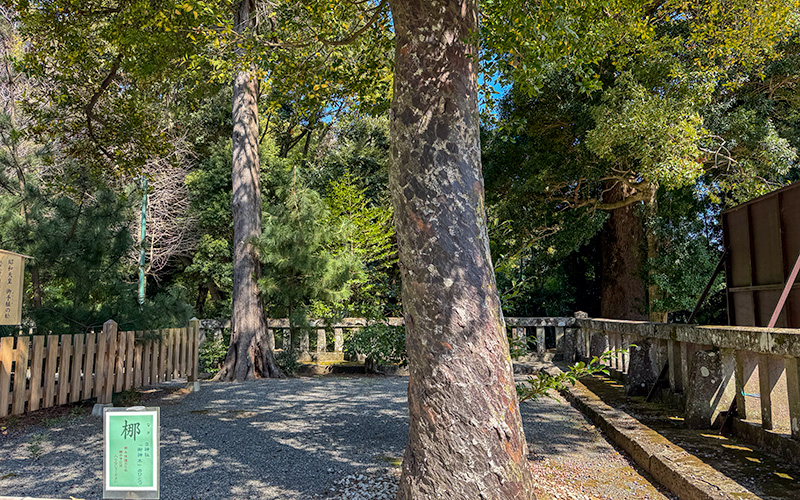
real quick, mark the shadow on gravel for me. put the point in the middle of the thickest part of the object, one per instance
(267, 439)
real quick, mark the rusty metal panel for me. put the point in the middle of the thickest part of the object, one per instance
(744, 309)
(792, 309)
(762, 237)
(766, 302)
(790, 213)
(766, 243)
(739, 245)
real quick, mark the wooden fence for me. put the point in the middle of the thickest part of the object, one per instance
(39, 371)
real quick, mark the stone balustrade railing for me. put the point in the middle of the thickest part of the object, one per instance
(320, 341)
(715, 369)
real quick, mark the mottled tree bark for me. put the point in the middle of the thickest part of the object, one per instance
(623, 294)
(465, 431)
(250, 355)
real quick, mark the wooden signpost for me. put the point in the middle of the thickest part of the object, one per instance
(12, 269)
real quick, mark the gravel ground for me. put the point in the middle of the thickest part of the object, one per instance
(337, 438)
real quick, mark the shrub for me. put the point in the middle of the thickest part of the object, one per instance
(541, 383)
(213, 352)
(381, 343)
(287, 362)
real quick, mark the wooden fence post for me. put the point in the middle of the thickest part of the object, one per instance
(49, 393)
(37, 362)
(6, 348)
(194, 349)
(21, 375)
(88, 369)
(106, 378)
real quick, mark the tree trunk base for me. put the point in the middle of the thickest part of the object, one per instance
(248, 362)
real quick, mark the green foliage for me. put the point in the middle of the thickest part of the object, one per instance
(522, 41)
(304, 266)
(660, 132)
(542, 244)
(382, 343)
(357, 146)
(678, 103)
(517, 347)
(80, 247)
(35, 444)
(689, 249)
(128, 397)
(109, 68)
(368, 235)
(213, 351)
(287, 362)
(540, 384)
(210, 191)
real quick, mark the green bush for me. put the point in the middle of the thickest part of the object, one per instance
(381, 343)
(517, 347)
(213, 352)
(287, 362)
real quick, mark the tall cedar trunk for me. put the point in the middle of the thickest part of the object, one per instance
(622, 289)
(465, 430)
(250, 355)
(653, 292)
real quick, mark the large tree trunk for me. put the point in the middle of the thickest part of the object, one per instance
(250, 354)
(465, 430)
(622, 290)
(653, 292)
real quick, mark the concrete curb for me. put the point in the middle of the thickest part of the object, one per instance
(673, 467)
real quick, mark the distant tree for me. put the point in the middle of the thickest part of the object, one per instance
(368, 235)
(250, 354)
(651, 123)
(308, 267)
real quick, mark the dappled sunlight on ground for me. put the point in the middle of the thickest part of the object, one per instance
(571, 459)
(281, 439)
(301, 439)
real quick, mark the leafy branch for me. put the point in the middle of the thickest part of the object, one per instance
(541, 383)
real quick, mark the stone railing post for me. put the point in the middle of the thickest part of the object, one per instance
(674, 361)
(793, 389)
(338, 339)
(765, 387)
(305, 344)
(540, 340)
(322, 341)
(712, 388)
(570, 345)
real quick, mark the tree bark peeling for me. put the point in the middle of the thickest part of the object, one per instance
(465, 430)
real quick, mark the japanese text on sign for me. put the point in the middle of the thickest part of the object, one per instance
(131, 451)
(12, 268)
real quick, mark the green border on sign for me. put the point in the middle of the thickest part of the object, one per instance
(131, 452)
